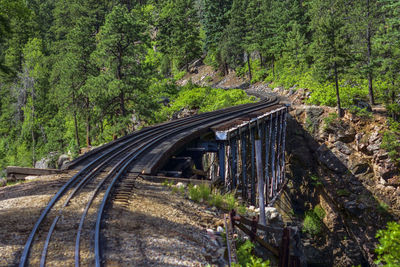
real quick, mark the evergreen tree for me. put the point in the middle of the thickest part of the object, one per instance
(331, 44)
(120, 55)
(178, 36)
(387, 42)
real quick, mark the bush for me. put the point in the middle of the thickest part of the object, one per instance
(330, 120)
(313, 221)
(204, 191)
(230, 201)
(216, 200)
(246, 258)
(391, 141)
(388, 249)
(194, 193)
(360, 112)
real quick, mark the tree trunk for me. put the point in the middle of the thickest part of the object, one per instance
(76, 131)
(273, 68)
(88, 141)
(369, 55)
(261, 61)
(249, 66)
(340, 112)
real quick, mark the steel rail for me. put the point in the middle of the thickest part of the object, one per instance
(254, 107)
(109, 154)
(73, 181)
(92, 174)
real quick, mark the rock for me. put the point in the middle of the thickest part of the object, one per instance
(48, 162)
(252, 208)
(346, 135)
(373, 148)
(62, 161)
(363, 105)
(272, 214)
(395, 181)
(180, 185)
(360, 168)
(342, 147)
(353, 208)
(3, 182)
(374, 138)
(327, 158)
(386, 170)
(220, 229)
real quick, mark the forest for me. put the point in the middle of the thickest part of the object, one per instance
(82, 72)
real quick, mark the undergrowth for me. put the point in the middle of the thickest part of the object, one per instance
(312, 223)
(247, 258)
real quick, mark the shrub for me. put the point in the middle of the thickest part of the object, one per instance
(230, 201)
(313, 221)
(194, 193)
(391, 141)
(216, 200)
(343, 193)
(388, 249)
(204, 191)
(330, 120)
(360, 112)
(246, 258)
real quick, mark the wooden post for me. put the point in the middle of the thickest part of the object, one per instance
(278, 148)
(260, 181)
(267, 148)
(284, 145)
(273, 171)
(253, 163)
(244, 166)
(233, 147)
(221, 159)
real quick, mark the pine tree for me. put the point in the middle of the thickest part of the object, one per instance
(179, 36)
(387, 42)
(120, 53)
(331, 44)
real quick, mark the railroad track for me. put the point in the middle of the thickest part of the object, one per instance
(78, 208)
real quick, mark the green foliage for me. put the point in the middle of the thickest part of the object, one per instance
(316, 181)
(383, 208)
(360, 112)
(391, 141)
(205, 191)
(388, 249)
(216, 200)
(246, 257)
(194, 193)
(312, 223)
(203, 99)
(343, 192)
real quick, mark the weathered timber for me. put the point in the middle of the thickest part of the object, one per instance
(19, 173)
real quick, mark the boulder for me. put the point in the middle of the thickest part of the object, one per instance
(48, 162)
(386, 170)
(62, 161)
(272, 215)
(327, 158)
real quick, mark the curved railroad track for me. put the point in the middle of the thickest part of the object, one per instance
(81, 202)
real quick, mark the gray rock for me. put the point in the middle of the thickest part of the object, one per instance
(342, 147)
(373, 148)
(272, 215)
(48, 162)
(327, 158)
(359, 168)
(3, 182)
(62, 161)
